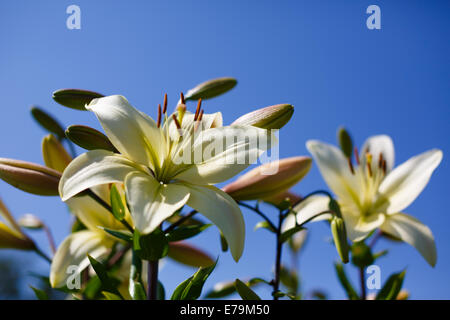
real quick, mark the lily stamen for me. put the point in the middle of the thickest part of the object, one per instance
(158, 122)
(198, 121)
(356, 155)
(182, 98)
(197, 111)
(369, 163)
(164, 111)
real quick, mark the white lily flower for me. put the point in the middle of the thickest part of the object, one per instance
(372, 194)
(156, 183)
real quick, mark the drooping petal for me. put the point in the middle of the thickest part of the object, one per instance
(376, 145)
(152, 202)
(218, 154)
(335, 170)
(359, 227)
(94, 168)
(133, 133)
(412, 231)
(402, 185)
(73, 251)
(223, 211)
(312, 206)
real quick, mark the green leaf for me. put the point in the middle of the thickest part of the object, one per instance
(47, 122)
(264, 224)
(392, 287)
(40, 294)
(289, 233)
(93, 288)
(289, 278)
(245, 292)
(351, 293)
(161, 293)
(75, 98)
(108, 283)
(185, 232)
(138, 291)
(280, 294)
(152, 246)
(89, 138)
(122, 235)
(333, 205)
(361, 255)
(191, 288)
(211, 89)
(117, 206)
(111, 296)
(380, 254)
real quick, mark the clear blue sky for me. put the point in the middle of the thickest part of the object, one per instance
(317, 55)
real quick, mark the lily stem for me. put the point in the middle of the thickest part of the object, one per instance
(279, 247)
(259, 212)
(51, 241)
(42, 254)
(152, 277)
(362, 279)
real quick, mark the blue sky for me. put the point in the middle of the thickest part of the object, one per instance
(317, 55)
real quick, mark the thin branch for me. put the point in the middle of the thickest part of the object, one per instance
(261, 214)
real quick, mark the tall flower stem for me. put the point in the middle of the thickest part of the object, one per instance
(279, 247)
(362, 279)
(152, 279)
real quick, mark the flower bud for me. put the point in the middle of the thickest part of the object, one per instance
(257, 184)
(75, 98)
(211, 89)
(54, 154)
(189, 255)
(10, 239)
(89, 138)
(273, 117)
(340, 237)
(47, 122)
(30, 177)
(30, 221)
(345, 142)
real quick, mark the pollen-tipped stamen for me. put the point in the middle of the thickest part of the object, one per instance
(355, 150)
(164, 111)
(158, 122)
(380, 160)
(182, 98)
(197, 111)
(198, 121)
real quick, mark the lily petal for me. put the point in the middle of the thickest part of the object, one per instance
(92, 214)
(376, 145)
(213, 163)
(359, 227)
(223, 211)
(94, 168)
(123, 123)
(413, 232)
(335, 169)
(310, 207)
(152, 202)
(73, 251)
(402, 185)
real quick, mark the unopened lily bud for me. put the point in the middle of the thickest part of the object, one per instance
(30, 177)
(257, 184)
(54, 154)
(30, 221)
(89, 138)
(345, 142)
(211, 89)
(283, 200)
(272, 117)
(75, 98)
(189, 255)
(340, 237)
(46, 121)
(11, 239)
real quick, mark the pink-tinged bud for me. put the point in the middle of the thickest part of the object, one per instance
(30, 177)
(54, 154)
(273, 117)
(189, 255)
(258, 184)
